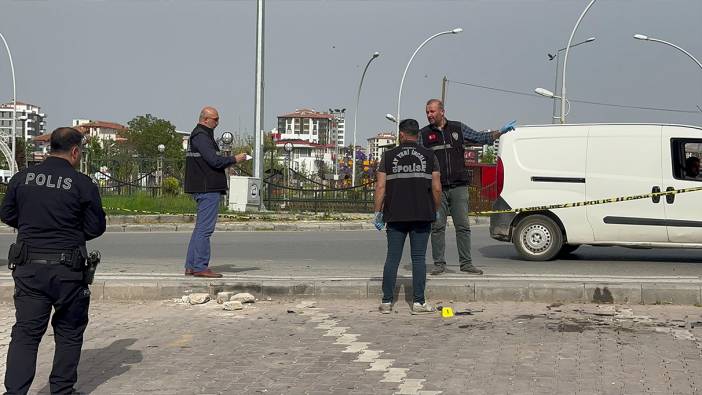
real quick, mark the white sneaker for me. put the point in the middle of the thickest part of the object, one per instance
(418, 308)
(385, 308)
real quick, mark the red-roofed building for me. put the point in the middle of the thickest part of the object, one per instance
(101, 130)
(309, 125)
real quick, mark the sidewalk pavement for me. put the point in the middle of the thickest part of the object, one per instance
(347, 347)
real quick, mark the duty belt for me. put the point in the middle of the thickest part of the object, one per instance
(63, 258)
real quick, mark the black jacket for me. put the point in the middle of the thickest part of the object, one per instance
(447, 144)
(204, 168)
(53, 206)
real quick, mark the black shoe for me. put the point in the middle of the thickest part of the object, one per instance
(471, 269)
(438, 269)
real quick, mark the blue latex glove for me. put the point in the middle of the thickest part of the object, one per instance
(378, 220)
(509, 126)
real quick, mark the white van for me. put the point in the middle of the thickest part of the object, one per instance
(554, 164)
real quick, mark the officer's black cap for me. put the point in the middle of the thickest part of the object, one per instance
(409, 126)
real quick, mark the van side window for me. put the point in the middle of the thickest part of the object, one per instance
(686, 155)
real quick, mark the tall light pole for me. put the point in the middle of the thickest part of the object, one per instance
(558, 58)
(565, 60)
(12, 164)
(402, 81)
(647, 38)
(258, 111)
(355, 118)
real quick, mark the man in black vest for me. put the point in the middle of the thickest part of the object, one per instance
(408, 191)
(55, 210)
(446, 138)
(206, 180)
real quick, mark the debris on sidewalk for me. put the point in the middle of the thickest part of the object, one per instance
(243, 297)
(233, 305)
(198, 298)
(224, 296)
(306, 304)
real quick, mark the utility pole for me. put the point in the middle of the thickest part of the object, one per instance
(258, 117)
(444, 86)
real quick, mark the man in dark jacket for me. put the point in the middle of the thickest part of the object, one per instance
(206, 180)
(408, 191)
(55, 210)
(446, 139)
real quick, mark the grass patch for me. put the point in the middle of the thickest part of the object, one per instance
(147, 204)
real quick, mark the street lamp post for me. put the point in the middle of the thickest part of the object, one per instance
(647, 38)
(402, 81)
(355, 118)
(557, 56)
(12, 164)
(159, 168)
(565, 61)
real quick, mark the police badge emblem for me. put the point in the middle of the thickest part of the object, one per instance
(454, 135)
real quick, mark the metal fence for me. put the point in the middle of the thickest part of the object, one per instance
(283, 190)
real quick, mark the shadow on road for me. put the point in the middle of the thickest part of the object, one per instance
(113, 360)
(604, 254)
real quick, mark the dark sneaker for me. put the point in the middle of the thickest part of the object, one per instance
(385, 308)
(438, 269)
(471, 269)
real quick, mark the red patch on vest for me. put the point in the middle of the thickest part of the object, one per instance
(432, 137)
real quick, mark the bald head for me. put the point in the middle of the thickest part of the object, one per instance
(209, 117)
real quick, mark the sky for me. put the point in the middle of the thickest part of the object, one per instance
(113, 60)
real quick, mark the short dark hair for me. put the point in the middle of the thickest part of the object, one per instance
(689, 161)
(409, 126)
(437, 101)
(64, 139)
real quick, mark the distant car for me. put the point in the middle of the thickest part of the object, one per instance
(5, 176)
(553, 164)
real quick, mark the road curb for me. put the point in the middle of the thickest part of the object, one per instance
(541, 289)
(254, 226)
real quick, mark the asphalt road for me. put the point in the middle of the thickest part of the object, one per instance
(362, 253)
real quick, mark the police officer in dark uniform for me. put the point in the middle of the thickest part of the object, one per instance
(408, 191)
(55, 210)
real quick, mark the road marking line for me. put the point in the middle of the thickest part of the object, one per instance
(406, 386)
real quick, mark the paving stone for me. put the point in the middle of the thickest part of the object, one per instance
(198, 298)
(232, 305)
(243, 297)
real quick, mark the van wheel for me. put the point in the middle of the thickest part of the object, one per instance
(537, 238)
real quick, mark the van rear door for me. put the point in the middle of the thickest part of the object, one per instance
(683, 211)
(624, 160)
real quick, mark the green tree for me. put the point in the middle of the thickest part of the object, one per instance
(488, 156)
(146, 132)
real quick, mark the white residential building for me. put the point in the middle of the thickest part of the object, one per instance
(339, 125)
(379, 144)
(101, 130)
(308, 125)
(307, 157)
(29, 122)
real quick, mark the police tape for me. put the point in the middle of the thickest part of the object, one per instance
(588, 202)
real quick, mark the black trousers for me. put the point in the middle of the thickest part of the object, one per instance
(38, 288)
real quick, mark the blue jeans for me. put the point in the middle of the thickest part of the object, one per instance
(199, 248)
(419, 238)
